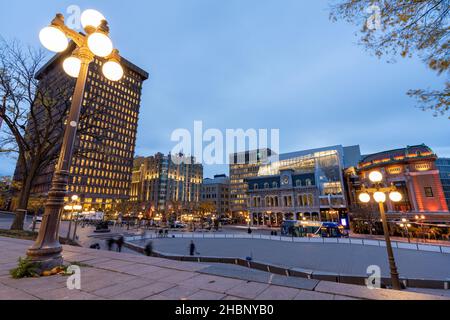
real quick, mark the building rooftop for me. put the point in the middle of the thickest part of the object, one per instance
(397, 155)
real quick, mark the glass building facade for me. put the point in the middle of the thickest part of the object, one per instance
(443, 165)
(306, 184)
(327, 165)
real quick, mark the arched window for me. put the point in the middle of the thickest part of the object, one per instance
(298, 183)
(266, 185)
(308, 182)
(255, 186)
(275, 185)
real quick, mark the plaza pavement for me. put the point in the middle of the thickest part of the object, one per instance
(337, 258)
(121, 276)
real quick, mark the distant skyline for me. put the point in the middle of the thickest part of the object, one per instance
(260, 64)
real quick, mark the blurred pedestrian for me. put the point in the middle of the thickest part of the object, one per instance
(119, 243)
(149, 249)
(192, 250)
(110, 243)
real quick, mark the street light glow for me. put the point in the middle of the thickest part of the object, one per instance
(53, 39)
(72, 66)
(100, 44)
(379, 197)
(395, 196)
(364, 197)
(75, 197)
(112, 70)
(376, 176)
(91, 18)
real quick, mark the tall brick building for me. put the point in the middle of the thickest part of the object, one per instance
(101, 173)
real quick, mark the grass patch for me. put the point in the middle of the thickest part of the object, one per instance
(16, 234)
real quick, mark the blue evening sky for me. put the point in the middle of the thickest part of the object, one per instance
(254, 64)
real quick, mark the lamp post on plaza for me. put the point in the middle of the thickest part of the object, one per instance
(74, 206)
(47, 249)
(378, 192)
(406, 225)
(421, 220)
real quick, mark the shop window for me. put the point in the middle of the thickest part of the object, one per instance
(429, 192)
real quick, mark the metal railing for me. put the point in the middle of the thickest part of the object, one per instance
(348, 241)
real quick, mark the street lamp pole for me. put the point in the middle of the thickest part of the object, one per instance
(392, 266)
(47, 249)
(379, 195)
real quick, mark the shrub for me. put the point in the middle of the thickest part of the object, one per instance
(25, 269)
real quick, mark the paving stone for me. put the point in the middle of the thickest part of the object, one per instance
(312, 295)
(232, 298)
(249, 290)
(119, 288)
(206, 295)
(15, 294)
(178, 293)
(377, 294)
(177, 276)
(144, 292)
(278, 293)
(212, 283)
(66, 294)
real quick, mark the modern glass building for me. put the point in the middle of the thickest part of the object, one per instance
(307, 183)
(443, 165)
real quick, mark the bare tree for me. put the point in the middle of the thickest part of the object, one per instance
(34, 113)
(404, 28)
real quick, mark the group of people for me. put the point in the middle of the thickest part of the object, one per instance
(148, 249)
(118, 242)
(162, 233)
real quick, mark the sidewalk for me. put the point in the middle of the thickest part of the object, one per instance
(121, 276)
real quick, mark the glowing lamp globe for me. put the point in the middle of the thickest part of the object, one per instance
(100, 44)
(395, 196)
(91, 18)
(364, 197)
(379, 197)
(72, 66)
(112, 70)
(376, 176)
(74, 198)
(53, 39)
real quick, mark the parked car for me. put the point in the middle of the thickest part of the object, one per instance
(178, 225)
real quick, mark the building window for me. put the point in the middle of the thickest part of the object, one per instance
(298, 183)
(308, 182)
(429, 192)
(266, 185)
(255, 186)
(275, 185)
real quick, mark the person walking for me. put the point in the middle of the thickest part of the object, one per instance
(192, 250)
(249, 230)
(149, 249)
(110, 243)
(120, 243)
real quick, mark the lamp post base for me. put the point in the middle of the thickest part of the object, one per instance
(47, 258)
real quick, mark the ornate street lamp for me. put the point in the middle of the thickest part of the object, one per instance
(406, 225)
(47, 249)
(378, 192)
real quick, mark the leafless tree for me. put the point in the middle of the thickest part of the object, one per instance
(34, 113)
